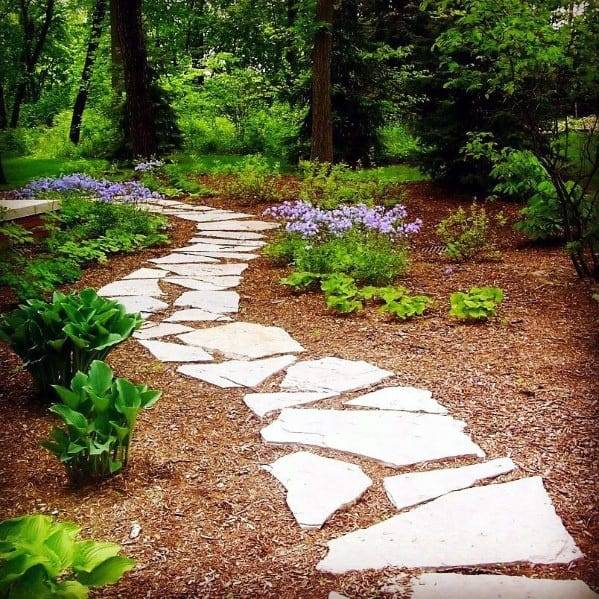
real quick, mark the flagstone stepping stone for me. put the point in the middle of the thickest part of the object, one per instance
(196, 315)
(264, 403)
(244, 340)
(496, 586)
(175, 352)
(147, 273)
(196, 284)
(220, 215)
(231, 255)
(393, 438)
(237, 373)
(188, 215)
(148, 287)
(201, 271)
(407, 399)
(163, 329)
(231, 234)
(140, 303)
(406, 490)
(200, 248)
(336, 595)
(494, 524)
(182, 259)
(237, 225)
(317, 487)
(332, 375)
(244, 243)
(211, 301)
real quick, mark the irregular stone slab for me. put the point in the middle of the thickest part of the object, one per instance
(496, 586)
(140, 303)
(231, 255)
(163, 329)
(211, 301)
(147, 273)
(196, 315)
(244, 243)
(182, 259)
(237, 225)
(264, 403)
(175, 352)
(220, 215)
(197, 284)
(336, 595)
(231, 234)
(237, 373)
(199, 248)
(201, 271)
(495, 524)
(244, 340)
(407, 399)
(148, 287)
(405, 490)
(317, 487)
(393, 438)
(333, 374)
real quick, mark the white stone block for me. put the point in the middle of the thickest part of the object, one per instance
(407, 399)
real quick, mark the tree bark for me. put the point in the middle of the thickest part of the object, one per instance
(97, 22)
(32, 50)
(141, 131)
(322, 124)
(116, 66)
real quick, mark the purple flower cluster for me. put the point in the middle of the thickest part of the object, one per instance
(103, 190)
(148, 166)
(310, 221)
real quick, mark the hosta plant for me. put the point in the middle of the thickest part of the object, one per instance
(479, 303)
(300, 280)
(99, 414)
(56, 339)
(406, 306)
(42, 559)
(341, 293)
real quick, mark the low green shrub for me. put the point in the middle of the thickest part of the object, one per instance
(341, 293)
(254, 180)
(407, 306)
(300, 280)
(479, 303)
(41, 558)
(397, 143)
(58, 338)
(99, 412)
(467, 234)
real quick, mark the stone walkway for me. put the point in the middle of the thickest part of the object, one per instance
(442, 520)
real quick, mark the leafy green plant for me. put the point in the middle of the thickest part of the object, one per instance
(341, 293)
(479, 303)
(466, 234)
(300, 280)
(56, 339)
(253, 181)
(41, 558)
(284, 247)
(100, 413)
(406, 306)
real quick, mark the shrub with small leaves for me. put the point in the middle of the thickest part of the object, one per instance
(100, 413)
(341, 293)
(300, 280)
(479, 303)
(41, 558)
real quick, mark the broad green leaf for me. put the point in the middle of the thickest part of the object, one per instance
(100, 376)
(90, 554)
(108, 572)
(75, 419)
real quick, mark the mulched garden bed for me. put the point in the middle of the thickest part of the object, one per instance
(214, 524)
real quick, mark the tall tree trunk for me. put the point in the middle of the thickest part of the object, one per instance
(116, 58)
(3, 180)
(33, 45)
(97, 21)
(3, 115)
(141, 130)
(322, 124)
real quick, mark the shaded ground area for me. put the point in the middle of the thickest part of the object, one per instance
(214, 524)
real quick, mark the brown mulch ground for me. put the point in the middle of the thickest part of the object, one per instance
(213, 524)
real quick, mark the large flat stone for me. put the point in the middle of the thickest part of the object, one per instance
(220, 215)
(202, 271)
(163, 329)
(231, 255)
(237, 373)
(175, 352)
(253, 244)
(332, 375)
(147, 273)
(406, 490)
(494, 524)
(496, 586)
(317, 487)
(177, 258)
(219, 302)
(264, 403)
(231, 234)
(237, 225)
(196, 315)
(407, 399)
(200, 248)
(197, 284)
(16, 209)
(393, 438)
(140, 303)
(244, 340)
(147, 287)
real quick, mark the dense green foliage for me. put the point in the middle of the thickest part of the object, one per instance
(479, 303)
(42, 558)
(99, 413)
(58, 338)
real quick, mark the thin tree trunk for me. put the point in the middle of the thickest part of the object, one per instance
(3, 180)
(3, 115)
(322, 125)
(97, 22)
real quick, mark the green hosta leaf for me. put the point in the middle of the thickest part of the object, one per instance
(120, 431)
(149, 397)
(62, 544)
(68, 397)
(90, 554)
(31, 584)
(75, 419)
(477, 304)
(100, 377)
(17, 567)
(70, 589)
(108, 572)
(300, 280)
(342, 304)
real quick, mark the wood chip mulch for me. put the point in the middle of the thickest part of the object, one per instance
(213, 524)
